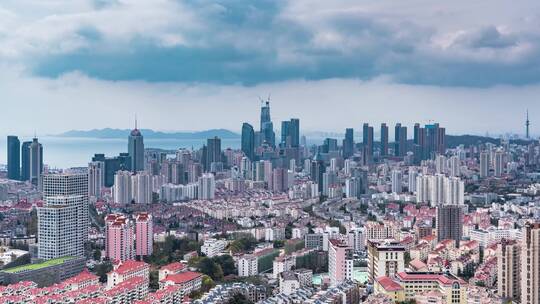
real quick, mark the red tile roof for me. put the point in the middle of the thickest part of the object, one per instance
(388, 284)
(181, 278)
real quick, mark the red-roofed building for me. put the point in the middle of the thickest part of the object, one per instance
(126, 270)
(128, 291)
(188, 281)
(390, 288)
(81, 280)
(173, 268)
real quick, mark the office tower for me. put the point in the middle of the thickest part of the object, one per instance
(329, 145)
(141, 188)
(484, 164)
(176, 172)
(207, 187)
(13, 158)
(112, 165)
(530, 264)
(508, 269)
(267, 127)
(63, 219)
(268, 174)
(527, 124)
(499, 163)
(122, 187)
(449, 223)
(118, 238)
(294, 132)
(435, 140)
(385, 258)
(340, 261)
(285, 138)
(25, 161)
(416, 134)
(420, 144)
(348, 143)
(367, 141)
(136, 149)
(144, 234)
(213, 151)
(96, 178)
(455, 166)
(36, 162)
(317, 170)
(384, 140)
(397, 181)
(248, 141)
(400, 143)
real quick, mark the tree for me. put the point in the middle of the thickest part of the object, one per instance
(239, 299)
(207, 283)
(226, 263)
(154, 280)
(209, 267)
(288, 231)
(97, 254)
(102, 269)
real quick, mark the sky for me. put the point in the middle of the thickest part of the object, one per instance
(473, 66)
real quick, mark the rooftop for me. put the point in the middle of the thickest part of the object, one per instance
(35, 266)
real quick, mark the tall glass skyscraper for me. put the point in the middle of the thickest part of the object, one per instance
(36, 161)
(248, 141)
(13, 157)
(25, 160)
(267, 127)
(136, 149)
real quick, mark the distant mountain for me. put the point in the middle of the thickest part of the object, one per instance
(147, 133)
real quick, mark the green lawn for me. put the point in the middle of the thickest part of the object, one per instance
(35, 266)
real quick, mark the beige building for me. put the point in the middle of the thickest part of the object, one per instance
(530, 264)
(508, 265)
(385, 258)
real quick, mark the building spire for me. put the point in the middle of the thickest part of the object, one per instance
(527, 124)
(135, 121)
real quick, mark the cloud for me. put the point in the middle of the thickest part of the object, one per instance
(244, 42)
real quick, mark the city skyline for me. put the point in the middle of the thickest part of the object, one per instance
(371, 62)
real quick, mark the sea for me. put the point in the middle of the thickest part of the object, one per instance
(68, 152)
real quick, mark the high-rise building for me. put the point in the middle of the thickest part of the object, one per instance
(136, 149)
(285, 138)
(385, 258)
(267, 127)
(63, 219)
(348, 143)
(119, 238)
(36, 162)
(141, 188)
(13, 157)
(484, 164)
(455, 166)
(25, 161)
(294, 132)
(400, 143)
(248, 141)
(144, 234)
(527, 124)
(384, 140)
(96, 178)
(213, 152)
(367, 141)
(340, 261)
(397, 181)
(113, 165)
(122, 187)
(498, 163)
(508, 269)
(530, 264)
(450, 223)
(329, 145)
(207, 187)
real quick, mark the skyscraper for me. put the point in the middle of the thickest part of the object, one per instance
(340, 261)
(36, 162)
(285, 135)
(527, 124)
(25, 161)
(13, 157)
(63, 219)
(96, 178)
(530, 264)
(267, 127)
(213, 152)
(294, 132)
(484, 164)
(348, 143)
(384, 140)
(397, 181)
(400, 143)
(367, 136)
(498, 163)
(136, 149)
(449, 223)
(248, 141)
